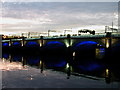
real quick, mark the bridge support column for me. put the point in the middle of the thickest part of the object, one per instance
(10, 42)
(69, 49)
(41, 41)
(23, 41)
(69, 56)
(108, 40)
(108, 44)
(69, 39)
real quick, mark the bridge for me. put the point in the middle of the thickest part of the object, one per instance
(106, 40)
(82, 46)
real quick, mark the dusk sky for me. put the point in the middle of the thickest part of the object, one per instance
(18, 17)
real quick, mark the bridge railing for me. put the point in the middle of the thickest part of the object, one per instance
(97, 35)
(116, 34)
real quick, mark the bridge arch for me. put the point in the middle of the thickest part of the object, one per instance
(85, 45)
(54, 45)
(5, 44)
(32, 44)
(88, 50)
(16, 44)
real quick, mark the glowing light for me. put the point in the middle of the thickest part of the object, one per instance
(40, 62)
(32, 44)
(67, 44)
(9, 44)
(16, 44)
(3, 60)
(107, 72)
(73, 53)
(107, 43)
(4, 36)
(40, 44)
(85, 45)
(87, 42)
(54, 44)
(31, 77)
(5, 65)
(67, 65)
(5, 44)
(100, 52)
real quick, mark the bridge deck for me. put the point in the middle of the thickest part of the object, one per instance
(114, 35)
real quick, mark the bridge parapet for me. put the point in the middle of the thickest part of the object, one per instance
(102, 39)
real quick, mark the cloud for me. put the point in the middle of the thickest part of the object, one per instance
(41, 16)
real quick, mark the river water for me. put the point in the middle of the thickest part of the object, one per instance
(58, 71)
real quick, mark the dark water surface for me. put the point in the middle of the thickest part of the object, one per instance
(38, 70)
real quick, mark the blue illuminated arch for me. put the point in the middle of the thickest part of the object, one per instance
(54, 44)
(85, 45)
(5, 44)
(18, 44)
(32, 44)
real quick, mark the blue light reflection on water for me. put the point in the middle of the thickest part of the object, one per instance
(91, 67)
(17, 58)
(33, 60)
(5, 55)
(56, 64)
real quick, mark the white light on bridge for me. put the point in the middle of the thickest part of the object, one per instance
(67, 43)
(107, 44)
(73, 53)
(67, 65)
(40, 62)
(107, 72)
(22, 44)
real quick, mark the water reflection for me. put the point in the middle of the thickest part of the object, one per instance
(6, 65)
(81, 67)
